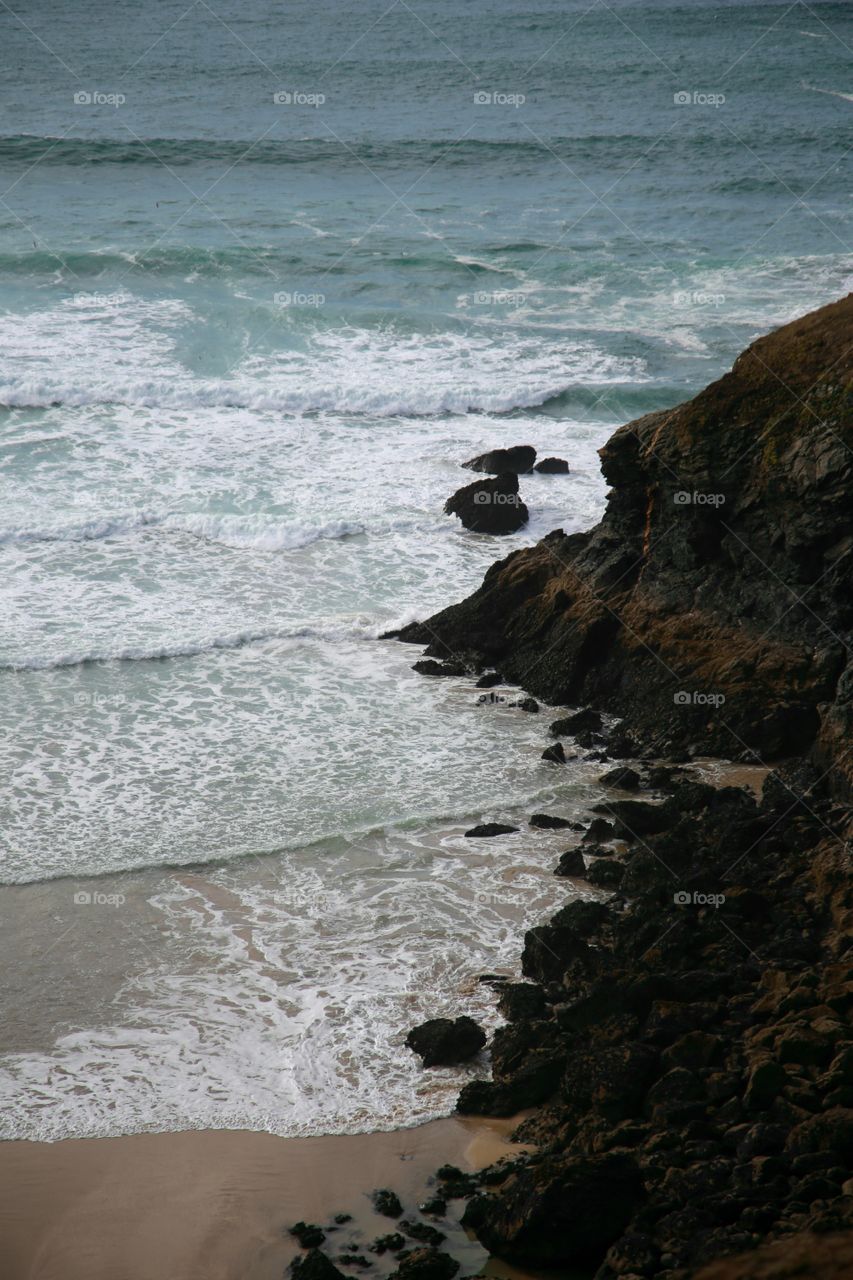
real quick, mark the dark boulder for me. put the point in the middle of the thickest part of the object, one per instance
(561, 1211)
(606, 873)
(527, 704)
(429, 667)
(489, 680)
(387, 1203)
(489, 506)
(531, 1084)
(585, 721)
(308, 1235)
(552, 466)
(315, 1266)
(612, 1079)
(638, 817)
(549, 822)
(426, 1264)
(571, 864)
(391, 1243)
(441, 1042)
(585, 919)
(519, 459)
(623, 778)
(486, 829)
(520, 1001)
(554, 754)
(548, 950)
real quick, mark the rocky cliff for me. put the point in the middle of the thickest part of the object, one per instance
(687, 1039)
(711, 607)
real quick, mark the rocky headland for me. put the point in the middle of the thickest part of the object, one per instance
(683, 1034)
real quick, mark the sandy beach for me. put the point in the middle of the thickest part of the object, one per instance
(216, 1205)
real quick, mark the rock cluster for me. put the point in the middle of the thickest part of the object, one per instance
(496, 506)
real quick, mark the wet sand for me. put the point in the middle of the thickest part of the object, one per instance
(216, 1205)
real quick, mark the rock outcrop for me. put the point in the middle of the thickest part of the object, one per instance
(489, 506)
(711, 606)
(519, 458)
(442, 1042)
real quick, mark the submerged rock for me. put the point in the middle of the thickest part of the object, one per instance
(519, 459)
(489, 506)
(442, 1042)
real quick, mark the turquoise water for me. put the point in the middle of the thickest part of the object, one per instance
(267, 277)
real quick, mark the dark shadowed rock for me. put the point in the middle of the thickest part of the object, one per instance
(315, 1266)
(571, 864)
(564, 1212)
(606, 873)
(387, 1203)
(520, 1001)
(518, 459)
(585, 721)
(308, 1235)
(549, 822)
(489, 680)
(555, 754)
(552, 466)
(527, 704)
(430, 667)
(426, 1264)
(487, 829)
(442, 1042)
(489, 506)
(623, 778)
(599, 829)
(390, 1243)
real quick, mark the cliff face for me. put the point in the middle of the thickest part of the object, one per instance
(712, 605)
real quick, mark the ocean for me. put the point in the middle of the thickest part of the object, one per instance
(268, 276)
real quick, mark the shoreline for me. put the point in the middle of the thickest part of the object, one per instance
(216, 1204)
